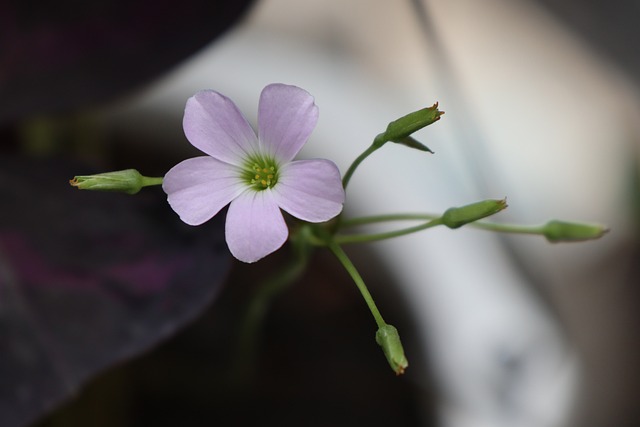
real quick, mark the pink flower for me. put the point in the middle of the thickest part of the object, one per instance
(256, 176)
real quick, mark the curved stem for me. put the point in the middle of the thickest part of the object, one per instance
(246, 351)
(377, 143)
(483, 225)
(262, 300)
(355, 222)
(363, 238)
(353, 272)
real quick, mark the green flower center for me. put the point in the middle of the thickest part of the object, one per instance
(260, 173)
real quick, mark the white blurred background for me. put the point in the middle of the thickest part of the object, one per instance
(521, 332)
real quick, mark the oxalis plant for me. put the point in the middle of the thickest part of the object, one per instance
(257, 176)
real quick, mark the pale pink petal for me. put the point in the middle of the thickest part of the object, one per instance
(213, 124)
(198, 188)
(255, 226)
(310, 190)
(286, 118)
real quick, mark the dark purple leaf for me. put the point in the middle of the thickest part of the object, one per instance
(67, 54)
(88, 279)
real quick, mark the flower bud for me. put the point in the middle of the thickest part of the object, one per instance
(387, 337)
(127, 181)
(457, 217)
(561, 231)
(412, 122)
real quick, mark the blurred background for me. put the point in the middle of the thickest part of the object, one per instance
(541, 102)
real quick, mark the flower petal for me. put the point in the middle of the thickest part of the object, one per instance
(286, 117)
(198, 188)
(214, 125)
(255, 226)
(310, 190)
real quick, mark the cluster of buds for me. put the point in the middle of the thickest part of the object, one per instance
(257, 176)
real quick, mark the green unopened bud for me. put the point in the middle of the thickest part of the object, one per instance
(457, 217)
(388, 338)
(412, 122)
(561, 231)
(127, 181)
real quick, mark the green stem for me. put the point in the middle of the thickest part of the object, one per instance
(353, 272)
(509, 228)
(363, 238)
(246, 352)
(148, 181)
(261, 301)
(365, 220)
(377, 143)
(483, 225)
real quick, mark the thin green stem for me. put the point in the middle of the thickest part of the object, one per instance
(365, 220)
(377, 143)
(246, 352)
(353, 272)
(148, 181)
(363, 238)
(490, 226)
(509, 228)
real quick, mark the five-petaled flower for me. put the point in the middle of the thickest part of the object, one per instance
(256, 176)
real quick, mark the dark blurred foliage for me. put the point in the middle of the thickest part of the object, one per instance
(70, 54)
(88, 280)
(317, 364)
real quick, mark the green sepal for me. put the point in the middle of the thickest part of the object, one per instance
(412, 143)
(388, 338)
(457, 217)
(399, 129)
(563, 231)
